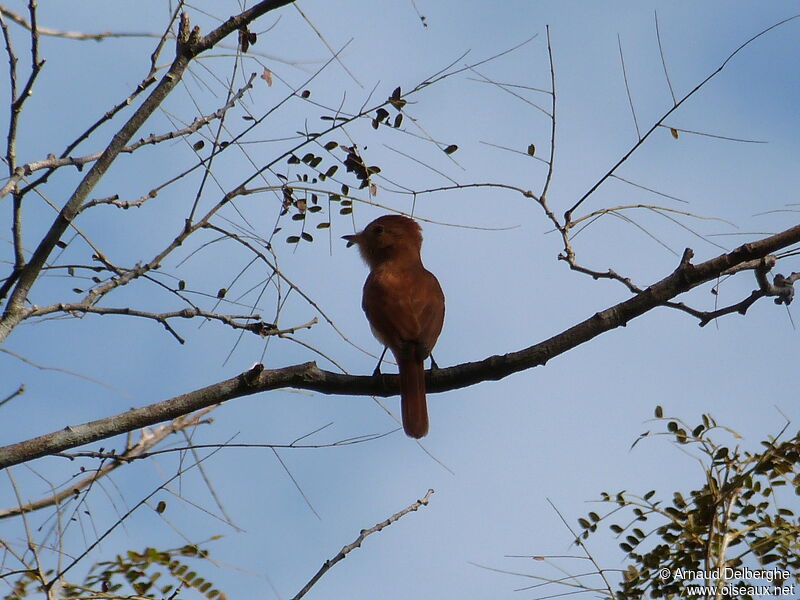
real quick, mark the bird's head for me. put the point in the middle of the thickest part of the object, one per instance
(387, 237)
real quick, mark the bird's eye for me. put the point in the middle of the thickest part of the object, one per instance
(378, 230)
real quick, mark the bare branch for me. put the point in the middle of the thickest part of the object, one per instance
(715, 136)
(257, 326)
(663, 60)
(70, 35)
(18, 392)
(552, 159)
(53, 162)
(647, 189)
(41, 367)
(334, 54)
(21, 171)
(628, 87)
(112, 455)
(190, 44)
(329, 564)
(660, 121)
(309, 377)
(181, 472)
(147, 440)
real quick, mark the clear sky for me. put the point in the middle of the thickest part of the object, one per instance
(496, 451)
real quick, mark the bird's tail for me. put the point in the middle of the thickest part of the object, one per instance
(412, 397)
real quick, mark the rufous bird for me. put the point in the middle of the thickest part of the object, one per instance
(404, 305)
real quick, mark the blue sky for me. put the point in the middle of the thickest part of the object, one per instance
(561, 432)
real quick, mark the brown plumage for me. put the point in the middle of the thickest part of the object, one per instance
(404, 305)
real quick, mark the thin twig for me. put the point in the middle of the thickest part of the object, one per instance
(18, 392)
(328, 46)
(70, 35)
(181, 472)
(41, 367)
(579, 543)
(552, 161)
(148, 439)
(257, 325)
(660, 121)
(628, 88)
(716, 136)
(663, 60)
(331, 562)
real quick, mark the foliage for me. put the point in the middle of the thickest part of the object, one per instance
(734, 524)
(151, 573)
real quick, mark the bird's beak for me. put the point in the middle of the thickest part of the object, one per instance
(351, 239)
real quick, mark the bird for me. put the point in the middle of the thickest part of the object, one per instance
(404, 305)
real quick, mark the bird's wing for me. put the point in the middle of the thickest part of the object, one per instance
(405, 310)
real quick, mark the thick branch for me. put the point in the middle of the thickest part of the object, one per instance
(308, 376)
(148, 440)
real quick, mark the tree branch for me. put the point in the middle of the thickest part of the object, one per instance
(660, 121)
(51, 163)
(71, 35)
(308, 376)
(189, 45)
(358, 541)
(148, 440)
(256, 324)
